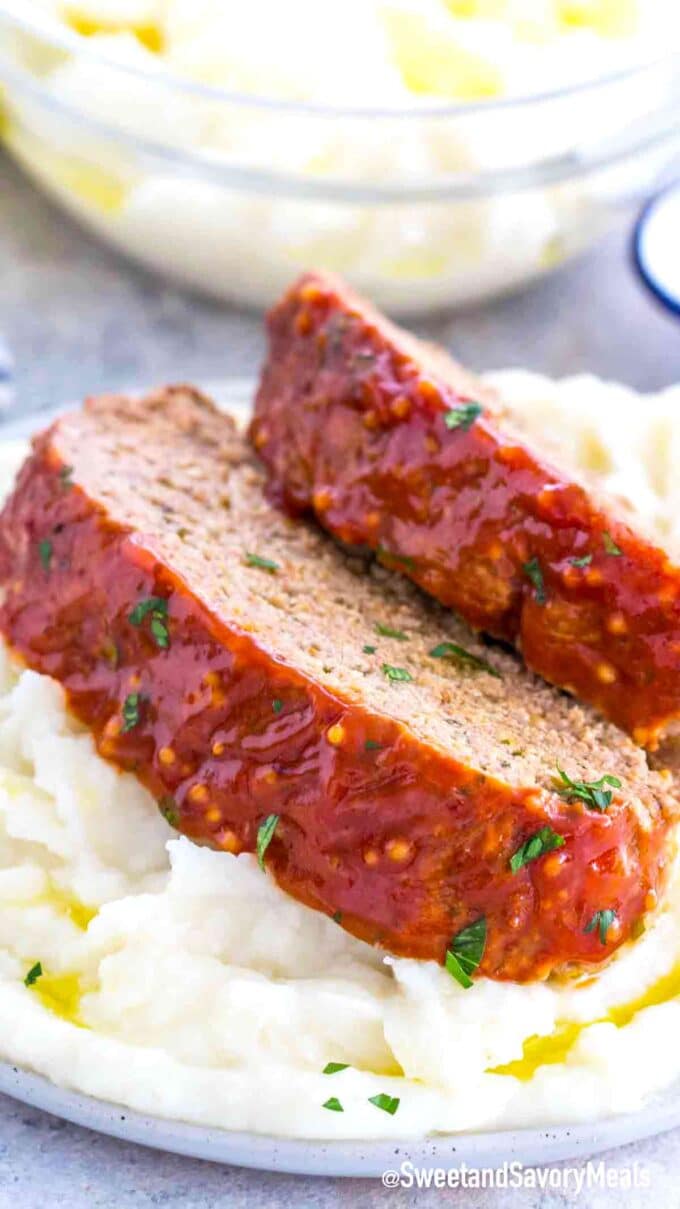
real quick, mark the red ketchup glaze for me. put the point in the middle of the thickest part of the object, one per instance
(407, 845)
(350, 423)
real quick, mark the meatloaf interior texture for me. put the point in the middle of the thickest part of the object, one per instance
(394, 448)
(250, 672)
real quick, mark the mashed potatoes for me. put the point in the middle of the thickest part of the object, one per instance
(457, 50)
(234, 197)
(629, 444)
(181, 982)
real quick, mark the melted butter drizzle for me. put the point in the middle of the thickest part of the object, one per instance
(61, 994)
(550, 1050)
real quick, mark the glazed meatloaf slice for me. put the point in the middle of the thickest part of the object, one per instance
(276, 695)
(395, 448)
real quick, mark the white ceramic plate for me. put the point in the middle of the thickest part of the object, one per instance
(371, 1158)
(530, 1147)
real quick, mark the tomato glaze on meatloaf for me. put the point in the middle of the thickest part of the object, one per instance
(395, 448)
(258, 680)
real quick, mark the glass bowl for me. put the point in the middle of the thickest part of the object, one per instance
(419, 208)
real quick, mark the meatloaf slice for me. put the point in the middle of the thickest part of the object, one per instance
(261, 682)
(394, 448)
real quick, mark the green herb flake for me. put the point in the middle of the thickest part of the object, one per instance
(581, 562)
(131, 711)
(545, 840)
(277, 705)
(333, 1105)
(386, 631)
(402, 560)
(463, 416)
(168, 808)
(332, 1068)
(593, 793)
(66, 477)
(45, 552)
(534, 572)
(34, 974)
(396, 673)
(369, 650)
(264, 564)
(337, 917)
(159, 629)
(451, 650)
(466, 951)
(385, 1103)
(265, 835)
(602, 920)
(156, 608)
(610, 546)
(153, 604)
(372, 745)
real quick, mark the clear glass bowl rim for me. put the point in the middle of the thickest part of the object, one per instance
(70, 40)
(442, 188)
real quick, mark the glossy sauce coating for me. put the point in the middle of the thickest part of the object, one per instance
(402, 844)
(351, 423)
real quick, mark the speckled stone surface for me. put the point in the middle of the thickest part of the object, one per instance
(75, 319)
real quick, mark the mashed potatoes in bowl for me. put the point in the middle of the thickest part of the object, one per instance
(182, 982)
(432, 151)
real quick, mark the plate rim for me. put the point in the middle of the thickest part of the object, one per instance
(350, 1158)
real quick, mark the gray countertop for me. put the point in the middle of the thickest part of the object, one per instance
(77, 320)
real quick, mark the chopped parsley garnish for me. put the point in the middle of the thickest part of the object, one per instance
(369, 650)
(168, 808)
(34, 974)
(463, 416)
(466, 951)
(545, 840)
(386, 1103)
(610, 545)
(451, 650)
(402, 559)
(333, 1105)
(581, 562)
(387, 632)
(396, 673)
(591, 792)
(332, 1068)
(265, 564)
(372, 745)
(265, 835)
(153, 604)
(156, 608)
(45, 553)
(159, 629)
(66, 477)
(602, 920)
(277, 705)
(535, 574)
(131, 711)
(337, 917)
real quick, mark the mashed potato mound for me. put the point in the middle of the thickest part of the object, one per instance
(183, 983)
(628, 443)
